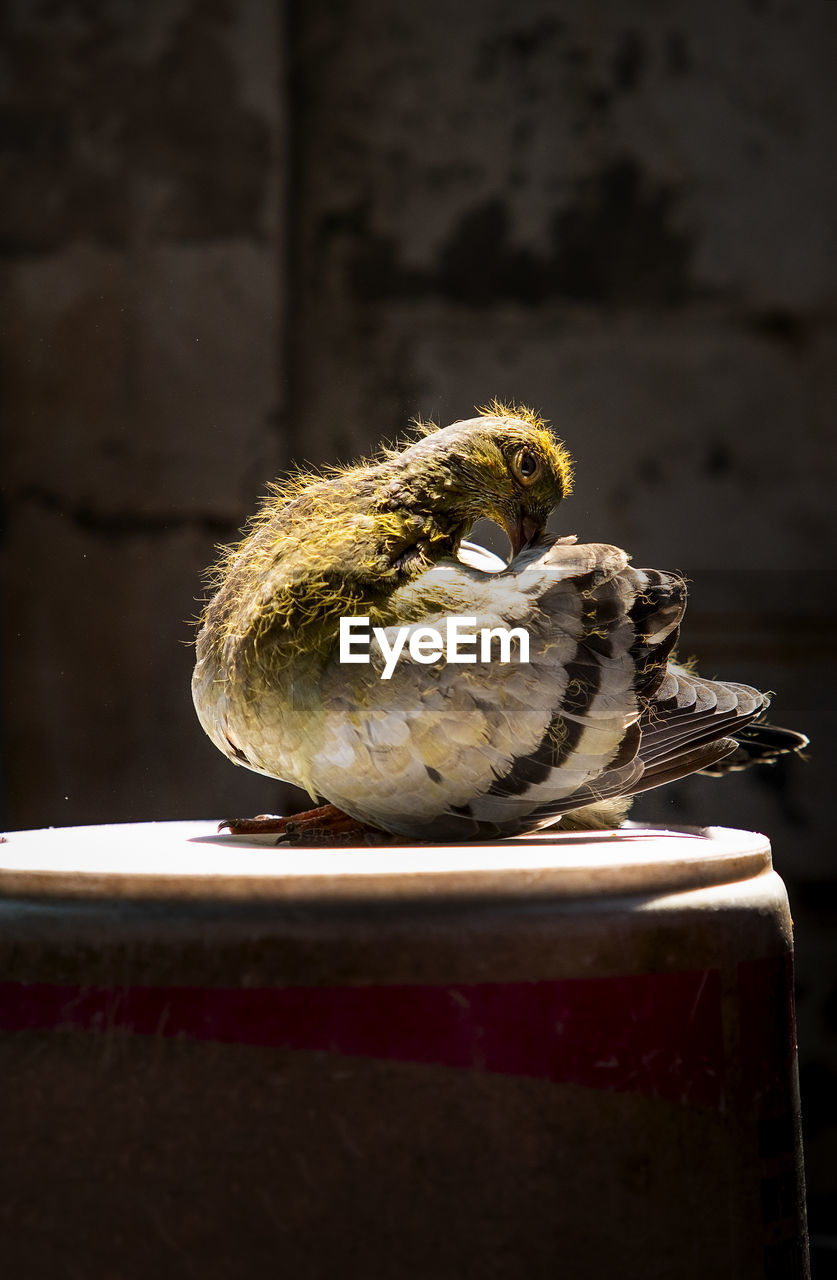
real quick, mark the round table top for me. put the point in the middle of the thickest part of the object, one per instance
(192, 860)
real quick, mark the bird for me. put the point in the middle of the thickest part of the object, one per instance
(316, 661)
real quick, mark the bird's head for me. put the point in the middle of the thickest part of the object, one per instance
(324, 545)
(504, 465)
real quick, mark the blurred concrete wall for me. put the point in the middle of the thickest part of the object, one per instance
(237, 232)
(143, 297)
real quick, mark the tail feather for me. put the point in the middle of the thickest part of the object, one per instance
(758, 744)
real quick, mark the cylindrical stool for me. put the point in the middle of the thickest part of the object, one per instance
(565, 1056)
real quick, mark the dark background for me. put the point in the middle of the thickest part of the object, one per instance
(236, 233)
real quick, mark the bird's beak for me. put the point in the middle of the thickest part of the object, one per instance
(522, 531)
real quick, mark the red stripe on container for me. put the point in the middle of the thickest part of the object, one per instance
(657, 1034)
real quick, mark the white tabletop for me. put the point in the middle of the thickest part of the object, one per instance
(164, 859)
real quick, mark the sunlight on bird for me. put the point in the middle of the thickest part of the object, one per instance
(461, 742)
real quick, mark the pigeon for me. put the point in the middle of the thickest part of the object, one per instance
(419, 688)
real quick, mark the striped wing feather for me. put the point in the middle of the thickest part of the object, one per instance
(599, 713)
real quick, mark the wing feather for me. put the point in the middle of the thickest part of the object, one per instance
(510, 746)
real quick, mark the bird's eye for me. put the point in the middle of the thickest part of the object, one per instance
(526, 466)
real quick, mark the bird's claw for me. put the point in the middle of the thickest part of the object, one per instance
(326, 825)
(262, 824)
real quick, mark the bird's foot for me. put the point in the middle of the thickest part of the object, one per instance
(324, 825)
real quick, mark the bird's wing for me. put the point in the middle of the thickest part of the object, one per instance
(688, 726)
(692, 715)
(452, 750)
